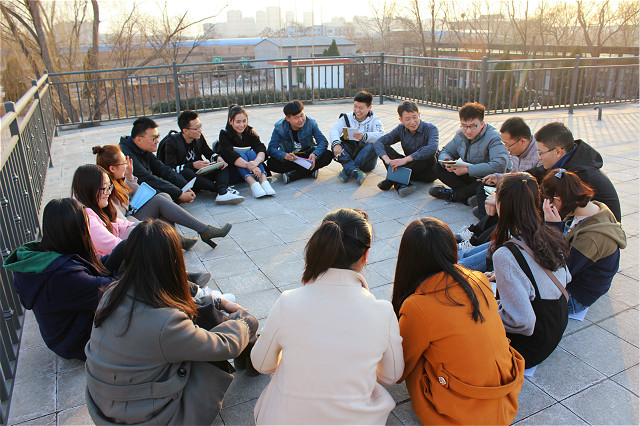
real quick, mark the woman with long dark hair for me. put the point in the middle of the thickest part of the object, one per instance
(530, 270)
(330, 344)
(594, 235)
(60, 277)
(125, 184)
(147, 361)
(241, 147)
(459, 366)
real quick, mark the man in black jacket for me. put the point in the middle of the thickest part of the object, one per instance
(557, 148)
(184, 153)
(140, 147)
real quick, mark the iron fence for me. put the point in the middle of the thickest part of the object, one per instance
(27, 130)
(501, 85)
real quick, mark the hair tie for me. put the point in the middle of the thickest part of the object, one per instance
(559, 173)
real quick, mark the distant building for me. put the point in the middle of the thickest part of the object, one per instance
(301, 47)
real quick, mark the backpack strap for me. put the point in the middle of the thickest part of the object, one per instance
(553, 278)
(346, 119)
(522, 262)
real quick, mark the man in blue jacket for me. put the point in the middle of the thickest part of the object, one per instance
(293, 137)
(477, 144)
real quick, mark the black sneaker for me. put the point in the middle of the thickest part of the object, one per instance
(404, 190)
(442, 193)
(472, 201)
(385, 185)
(286, 177)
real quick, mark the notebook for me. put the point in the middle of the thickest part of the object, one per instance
(401, 175)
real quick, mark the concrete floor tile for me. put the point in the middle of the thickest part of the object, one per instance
(285, 273)
(259, 304)
(281, 222)
(605, 307)
(226, 247)
(624, 325)
(31, 336)
(531, 400)
(557, 414)
(392, 420)
(601, 350)
(625, 289)
(562, 375)
(575, 325)
(34, 363)
(383, 250)
(398, 210)
(70, 389)
(241, 414)
(374, 279)
(245, 388)
(244, 283)
(270, 257)
(33, 399)
(383, 292)
(50, 419)
(606, 403)
(75, 416)
(388, 229)
(629, 379)
(237, 216)
(404, 412)
(386, 268)
(399, 392)
(227, 267)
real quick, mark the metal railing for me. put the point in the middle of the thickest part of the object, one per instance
(27, 131)
(501, 85)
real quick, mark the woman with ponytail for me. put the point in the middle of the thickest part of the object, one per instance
(459, 367)
(330, 344)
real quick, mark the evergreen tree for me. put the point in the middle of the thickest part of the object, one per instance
(332, 50)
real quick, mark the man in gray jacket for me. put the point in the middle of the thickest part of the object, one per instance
(479, 145)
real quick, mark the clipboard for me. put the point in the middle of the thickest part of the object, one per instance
(210, 168)
(401, 175)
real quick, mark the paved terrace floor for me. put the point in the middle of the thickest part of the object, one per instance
(591, 378)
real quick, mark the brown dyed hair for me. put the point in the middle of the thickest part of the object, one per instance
(472, 110)
(340, 241)
(427, 248)
(154, 272)
(86, 186)
(108, 156)
(518, 197)
(573, 193)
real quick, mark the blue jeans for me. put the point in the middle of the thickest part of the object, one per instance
(574, 306)
(248, 156)
(365, 160)
(475, 258)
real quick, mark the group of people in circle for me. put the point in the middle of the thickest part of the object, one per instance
(108, 284)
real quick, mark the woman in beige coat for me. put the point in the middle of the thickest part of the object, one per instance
(330, 344)
(147, 361)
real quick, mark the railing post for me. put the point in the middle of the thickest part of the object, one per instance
(44, 127)
(290, 77)
(381, 78)
(574, 83)
(176, 85)
(483, 81)
(13, 127)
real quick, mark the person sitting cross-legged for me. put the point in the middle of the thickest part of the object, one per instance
(356, 155)
(419, 141)
(184, 152)
(293, 137)
(478, 144)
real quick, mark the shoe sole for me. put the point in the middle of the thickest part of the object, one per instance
(203, 280)
(233, 201)
(403, 192)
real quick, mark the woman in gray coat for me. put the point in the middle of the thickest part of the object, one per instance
(147, 360)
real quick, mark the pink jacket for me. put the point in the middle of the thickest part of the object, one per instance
(103, 240)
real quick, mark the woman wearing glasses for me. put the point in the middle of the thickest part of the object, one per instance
(125, 184)
(92, 186)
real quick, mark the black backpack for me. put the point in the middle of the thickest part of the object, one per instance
(163, 145)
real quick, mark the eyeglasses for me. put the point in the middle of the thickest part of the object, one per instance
(107, 189)
(509, 146)
(121, 164)
(198, 127)
(540, 154)
(154, 137)
(464, 127)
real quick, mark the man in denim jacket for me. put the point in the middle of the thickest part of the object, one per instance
(293, 137)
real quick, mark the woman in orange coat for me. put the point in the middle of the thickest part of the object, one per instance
(459, 366)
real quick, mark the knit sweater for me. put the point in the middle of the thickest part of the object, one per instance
(516, 291)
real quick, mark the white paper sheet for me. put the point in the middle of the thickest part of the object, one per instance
(189, 185)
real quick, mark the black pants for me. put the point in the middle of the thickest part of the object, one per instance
(217, 181)
(421, 170)
(463, 186)
(284, 166)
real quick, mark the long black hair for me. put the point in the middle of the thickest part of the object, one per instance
(339, 242)
(86, 186)
(65, 230)
(427, 248)
(518, 198)
(154, 271)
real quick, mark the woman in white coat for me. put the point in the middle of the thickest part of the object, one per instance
(330, 344)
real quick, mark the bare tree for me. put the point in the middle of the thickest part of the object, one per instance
(415, 21)
(599, 21)
(380, 25)
(475, 27)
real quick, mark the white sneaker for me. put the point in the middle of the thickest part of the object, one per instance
(465, 234)
(257, 190)
(229, 198)
(232, 190)
(267, 188)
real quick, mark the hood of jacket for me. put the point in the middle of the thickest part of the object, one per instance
(583, 157)
(28, 259)
(599, 234)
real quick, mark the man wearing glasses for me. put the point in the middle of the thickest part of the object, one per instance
(477, 144)
(558, 149)
(140, 147)
(184, 153)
